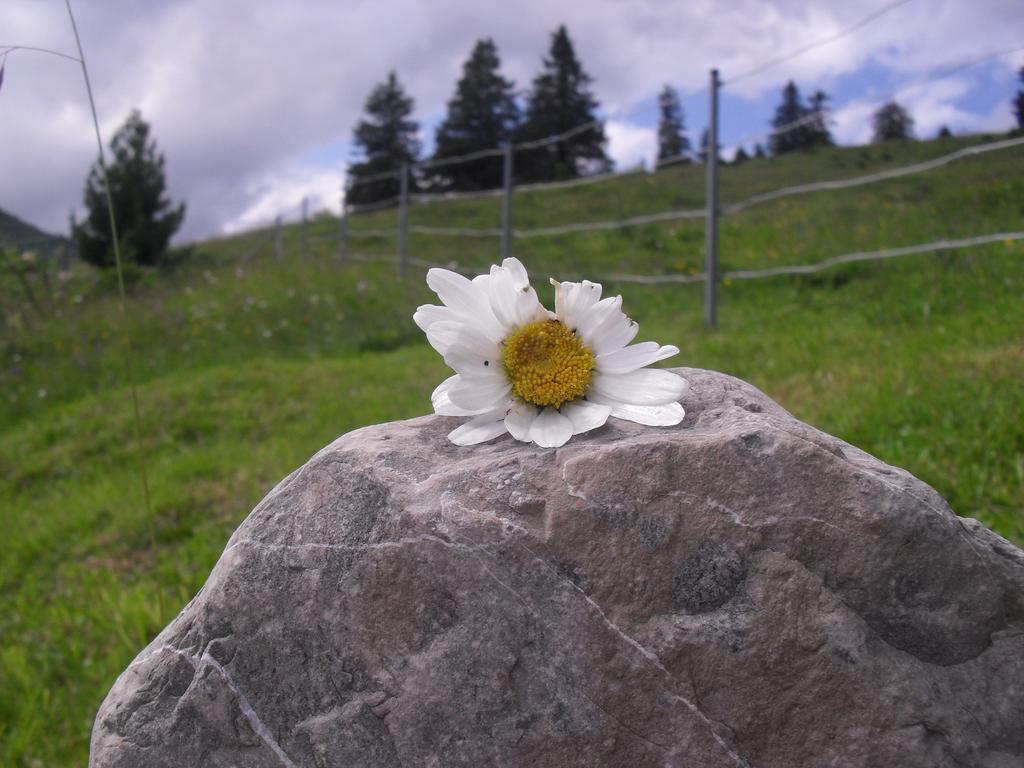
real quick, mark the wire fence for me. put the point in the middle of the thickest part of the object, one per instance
(671, 278)
(678, 214)
(693, 213)
(447, 222)
(272, 241)
(507, 232)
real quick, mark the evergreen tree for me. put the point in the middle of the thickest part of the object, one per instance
(741, 156)
(787, 113)
(386, 139)
(1018, 102)
(759, 151)
(482, 114)
(672, 141)
(559, 101)
(818, 134)
(798, 126)
(146, 220)
(892, 122)
(944, 133)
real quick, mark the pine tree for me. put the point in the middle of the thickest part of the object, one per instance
(146, 220)
(789, 137)
(759, 151)
(740, 157)
(482, 114)
(892, 122)
(672, 141)
(1018, 102)
(817, 133)
(559, 101)
(386, 139)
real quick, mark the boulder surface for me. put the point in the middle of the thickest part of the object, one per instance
(739, 590)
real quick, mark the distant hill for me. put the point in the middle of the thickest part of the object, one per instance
(15, 233)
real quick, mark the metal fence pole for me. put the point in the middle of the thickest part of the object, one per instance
(506, 203)
(305, 228)
(343, 224)
(711, 229)
(403, 217)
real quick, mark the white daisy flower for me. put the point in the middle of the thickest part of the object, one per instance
(541, 376)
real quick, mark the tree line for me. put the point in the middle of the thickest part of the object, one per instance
(484, 113)
(796, 125)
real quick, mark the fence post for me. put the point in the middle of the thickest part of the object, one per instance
(506, 203)
(403, 217)
(343, 223)
(278, 240)
(711, 227)
(305, 228)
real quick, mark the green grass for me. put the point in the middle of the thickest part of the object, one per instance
(247, 368)
(963, 198)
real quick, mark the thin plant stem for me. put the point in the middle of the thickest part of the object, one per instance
(129, 364)
(5, 49)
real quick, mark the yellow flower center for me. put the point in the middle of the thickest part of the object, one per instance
(547, 363)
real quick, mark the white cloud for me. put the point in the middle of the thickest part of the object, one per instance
(932, 107)
(281, 192)
(851, 124)
(630, 145)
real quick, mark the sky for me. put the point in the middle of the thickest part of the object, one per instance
(253, 102)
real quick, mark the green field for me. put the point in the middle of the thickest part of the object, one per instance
(247, 367)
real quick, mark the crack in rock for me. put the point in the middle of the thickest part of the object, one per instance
(257, 725)
(648, 654)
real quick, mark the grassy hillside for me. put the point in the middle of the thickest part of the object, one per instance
(246, 368)
(15, 233)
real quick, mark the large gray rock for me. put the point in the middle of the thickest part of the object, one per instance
(740, 590)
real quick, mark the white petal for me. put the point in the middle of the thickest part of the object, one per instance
(573, 299)
(472, 339)
(480, 429)
(443, 333)
(612, 333)
(585, 415)
(631, 358)
(597, 314)
(443, 406)
(515, 269)
(647, 386)
(474, 354)
(550, 429)
(501, 295)
(519, 420)
(513, 301)
(456, 291)
(466, 298)
(428, 314)
(476, 393)
(652, 415)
